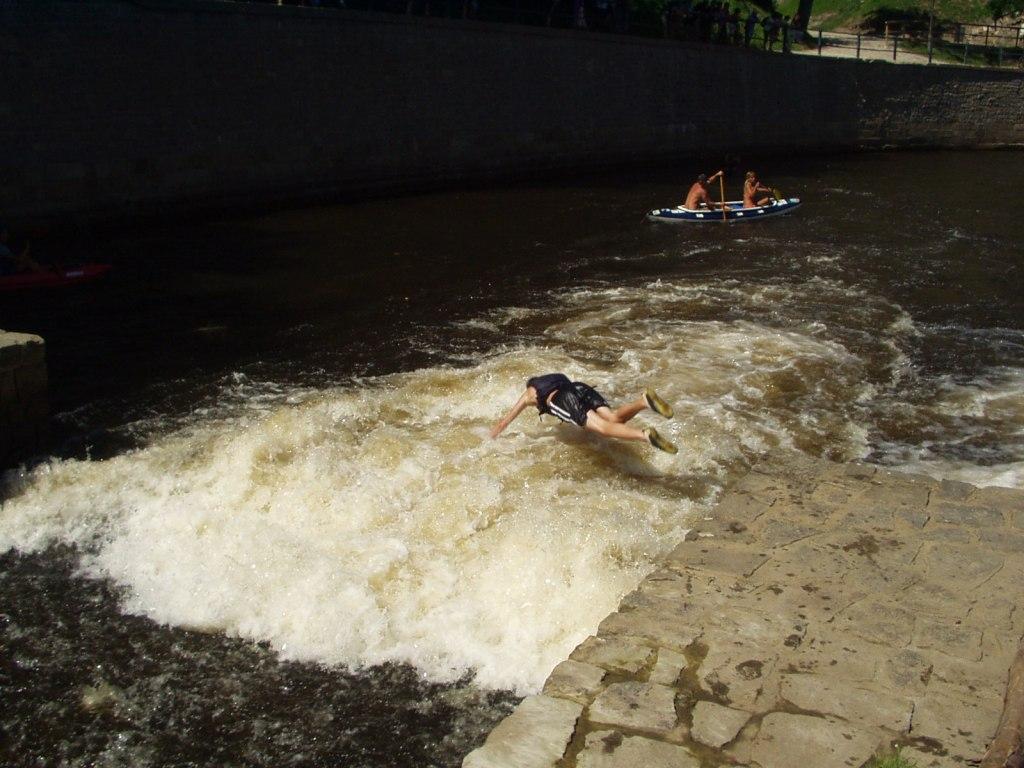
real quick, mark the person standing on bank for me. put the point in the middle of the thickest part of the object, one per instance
(577, 403)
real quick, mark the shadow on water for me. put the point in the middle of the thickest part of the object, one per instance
(85, 685)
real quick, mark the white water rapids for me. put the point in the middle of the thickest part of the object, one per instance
(375, 521)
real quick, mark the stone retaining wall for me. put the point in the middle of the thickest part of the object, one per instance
(822, 615)
(116, 107)
(23, 402)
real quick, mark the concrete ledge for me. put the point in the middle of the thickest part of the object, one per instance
(23, 402)
(824, 614)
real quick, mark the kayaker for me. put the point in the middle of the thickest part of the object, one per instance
(12, 263)
(699, 196)
(755, 194)
(577, 403)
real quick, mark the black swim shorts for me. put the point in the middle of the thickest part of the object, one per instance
(571, 403)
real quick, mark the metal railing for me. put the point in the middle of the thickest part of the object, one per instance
(902, 48)
(901, 44)
(986, 35)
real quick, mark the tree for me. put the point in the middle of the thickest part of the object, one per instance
(804, 11)
(1000, 9)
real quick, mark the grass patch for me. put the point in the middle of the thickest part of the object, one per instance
(894, 760)
(853, 14)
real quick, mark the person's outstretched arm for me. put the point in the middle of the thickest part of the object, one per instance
(516, 409)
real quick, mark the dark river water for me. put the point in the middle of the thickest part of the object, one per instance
(273, 531)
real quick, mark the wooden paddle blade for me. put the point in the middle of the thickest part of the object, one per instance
(778, 194)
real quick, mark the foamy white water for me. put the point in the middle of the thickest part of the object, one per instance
(377, 522)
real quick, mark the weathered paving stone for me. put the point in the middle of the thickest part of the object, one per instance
(835, 654)
(635, 705)
(1005, 500)
(913, 516)
(760, 486)
(964, 674)
(778, 533)
(738, 669)
(574, 680)
(948, 534)
(949, 637)
(951, 490)
(790, 741)
(610, 749)
(715, 725)
(613, 653)
(818, 693)
(851, 471)
(535, 735)
(962, 514)
(959, 723)
(934, 759)
(963, 564)
(1002, 539)
(740, 508)
(737, 561)
(878, 621)
(673, 633)
(895, 494)
(668, 667)
(931, 599)
(834, 493)
(908, 671)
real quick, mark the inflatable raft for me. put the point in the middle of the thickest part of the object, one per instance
(53, 278)
(736, 213)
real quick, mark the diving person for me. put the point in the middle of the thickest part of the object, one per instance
(577, 403)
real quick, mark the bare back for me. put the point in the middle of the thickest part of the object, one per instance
(697, 196)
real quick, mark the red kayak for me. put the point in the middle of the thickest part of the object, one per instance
(53, 277)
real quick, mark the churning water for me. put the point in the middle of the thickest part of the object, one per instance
(285, 439)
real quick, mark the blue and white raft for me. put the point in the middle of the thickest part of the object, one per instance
(736, 212)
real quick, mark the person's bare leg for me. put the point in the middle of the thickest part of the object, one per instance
(607, 428)
(623, 413)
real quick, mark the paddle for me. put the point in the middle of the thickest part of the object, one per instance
(721, 187)
(778, 194)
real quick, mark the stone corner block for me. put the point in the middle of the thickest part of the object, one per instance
(574, 680)
(637, 706)
(829, 696)
(721, 558)
(610, 749)
(785, 741)
(715, 725)
(616, 654)
(535, 735)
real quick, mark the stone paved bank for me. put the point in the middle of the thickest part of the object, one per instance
(823, 613)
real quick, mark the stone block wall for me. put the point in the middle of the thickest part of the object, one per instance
(23, 401)
(115, 107)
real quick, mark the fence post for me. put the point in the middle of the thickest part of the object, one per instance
(819, 41)
(895, 42)
(965, 50)
(858, 46)
(1000, 57)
